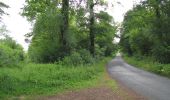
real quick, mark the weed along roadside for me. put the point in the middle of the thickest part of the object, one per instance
(48, 79)
(149, 64)
(54, 81)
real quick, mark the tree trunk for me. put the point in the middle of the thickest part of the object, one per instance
(91, 28)
(64, 28)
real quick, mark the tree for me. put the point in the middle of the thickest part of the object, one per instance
(91, 27)
(105, 30)
(2, 5)
(160, 29)
(91, 5)
(146, 32)
(66, 26)
(46, 45)
(35, 8)
(11, 52)
(136, 31)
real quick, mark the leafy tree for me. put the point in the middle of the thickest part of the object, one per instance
(11, 53)
(45, 45)
(67, 28)
(34, 8)
(146, 32)
(90, 5)
(105, 30)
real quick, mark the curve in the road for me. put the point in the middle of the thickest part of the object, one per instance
(149, 85)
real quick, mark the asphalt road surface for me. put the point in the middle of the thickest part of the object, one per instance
(149, 85)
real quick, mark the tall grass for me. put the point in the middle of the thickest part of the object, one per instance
(47, 79)
(149, 65)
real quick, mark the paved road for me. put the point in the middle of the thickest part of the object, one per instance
(149, 85)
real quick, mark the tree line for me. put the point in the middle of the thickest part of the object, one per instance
(146, 32)
(68, 28)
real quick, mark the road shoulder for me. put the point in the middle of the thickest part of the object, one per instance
(106, 90)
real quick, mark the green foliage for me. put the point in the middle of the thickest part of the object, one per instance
(46, 31)
(11, 53)
(81, 57)
(58, 31)
(105, 31)
(146, 32)
(104, 17)
(136, 33)
(47, 79)
(7, 56)
(86, 57)
(162, 53)
(148, 64)
(34, 8)
(45, 45)
(74, 59)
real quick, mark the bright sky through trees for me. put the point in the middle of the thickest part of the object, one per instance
(18, 26)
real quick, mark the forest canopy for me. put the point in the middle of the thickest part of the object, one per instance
(146, 30)
(64, 27)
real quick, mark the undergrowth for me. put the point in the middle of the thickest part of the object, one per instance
(47, 79)
(149, 65)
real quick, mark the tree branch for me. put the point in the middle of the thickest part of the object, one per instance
(97, 2)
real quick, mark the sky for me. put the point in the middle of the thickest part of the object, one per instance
(18, 26)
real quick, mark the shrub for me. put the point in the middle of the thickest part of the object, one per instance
(7, 56)
(73, 59)
(11, 53)
(86, 56)
(162, 53)
(166, 70)
(80, 57)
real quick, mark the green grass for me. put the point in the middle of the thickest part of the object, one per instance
(149, 65)
(48, 79)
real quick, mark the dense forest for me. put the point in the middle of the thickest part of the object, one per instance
(145, 31)
(69, 28)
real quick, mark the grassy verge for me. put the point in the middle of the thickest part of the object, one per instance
(48, 79)
(149, 65)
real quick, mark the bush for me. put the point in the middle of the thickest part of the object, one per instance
(162, 53)
(166, 70)
(86, 57)
(80, 57)
(7, 56)
(11, 53)
(73, 59)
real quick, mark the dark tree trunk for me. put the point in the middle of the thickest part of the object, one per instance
(65, 16)
(158, 19)
(91, 28)
(64, 50)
